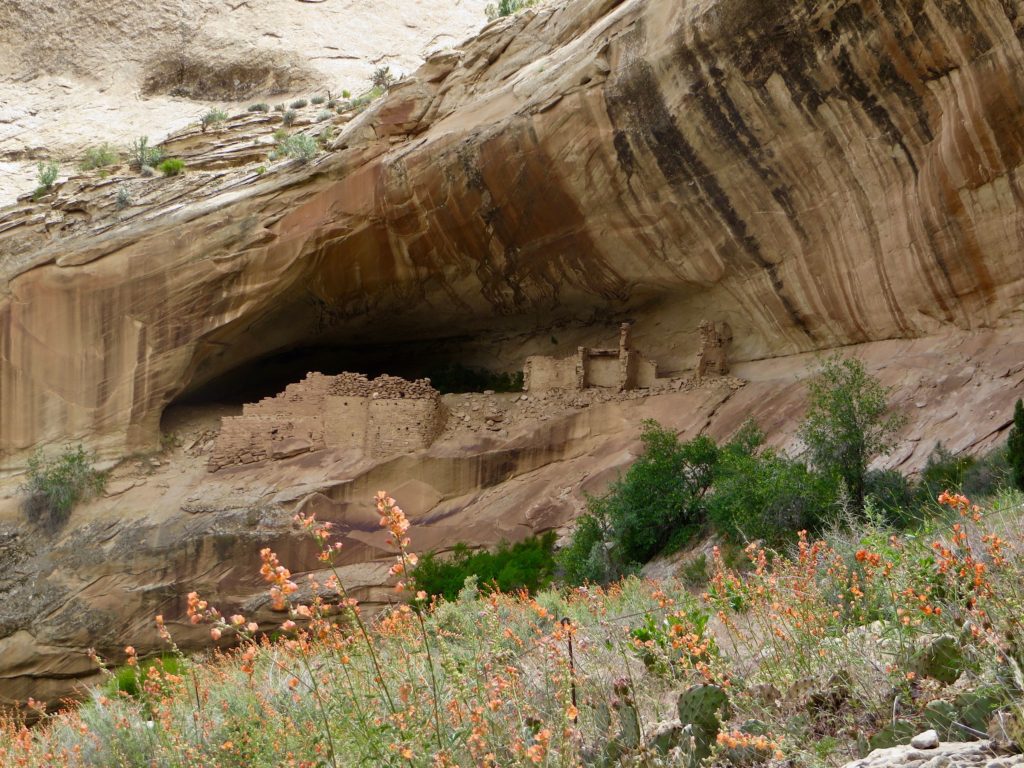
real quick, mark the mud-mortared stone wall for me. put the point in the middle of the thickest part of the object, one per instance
(380, 417)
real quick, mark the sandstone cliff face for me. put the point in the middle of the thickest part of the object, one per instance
(817, 175)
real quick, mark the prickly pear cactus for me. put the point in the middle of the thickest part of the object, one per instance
(941, 659)
(702, 705)
(940, 715)
(895, 733)
(702, 708)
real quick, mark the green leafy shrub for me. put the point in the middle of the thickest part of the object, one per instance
(1015, 445)
(847, 422)
(261, 107)
(659, 503)
(141, 155)
(299, 147)
(53, 487)
(46, 176)
(99, 157)
(588, 557)
(528, 565)
(766, 496)
(172, 166)
(298, 104)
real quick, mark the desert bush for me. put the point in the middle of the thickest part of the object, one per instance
(99, 157)
(299, 147)
(142, 155)
(289, 117)
(317, 100)
(281, 108)
(53, 487)
(382, 78)
(172, 166)
(46, 176)
(261, 107)
(528, 564)
(212, 118)
(847, 422)
(123, 198)
(507, 8)
(298, 104)
(324, 114)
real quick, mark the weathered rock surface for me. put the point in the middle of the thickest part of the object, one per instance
(953, 754)
(816, 176)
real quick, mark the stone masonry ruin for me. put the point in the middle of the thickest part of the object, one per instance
(621, 369)
(713, 356)
(379, 417)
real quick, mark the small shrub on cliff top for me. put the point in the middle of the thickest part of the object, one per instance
(99, 157)
(382, 78)
(46, 175)
(507, 8)
(142, 155)
(298, 104)
(300, 147)
(259, 107)
(54, 487)
(212, 118)
(172, 166)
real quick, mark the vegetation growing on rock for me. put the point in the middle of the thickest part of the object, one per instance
(809, 657)
(54, 486)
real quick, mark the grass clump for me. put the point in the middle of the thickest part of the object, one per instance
(46, 177)
(324, 114)
(212, 118)
(99, 157)
(298, 104)
(318, 100)
(261, 107)
(527, 565)
(53, 487)
(172, 166)
(289, 117)
(298, 147)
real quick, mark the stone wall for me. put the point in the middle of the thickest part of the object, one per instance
(621, 369)
(542, 373)
(379, 417)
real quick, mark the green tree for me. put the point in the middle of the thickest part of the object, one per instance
(659, 503)
(847, 423)
(1015, 445)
